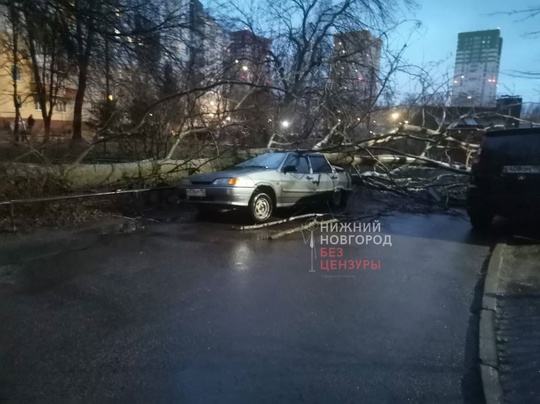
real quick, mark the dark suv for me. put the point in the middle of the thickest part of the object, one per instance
(505, 177)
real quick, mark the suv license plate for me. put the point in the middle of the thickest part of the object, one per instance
(196, 192)
(521, 169)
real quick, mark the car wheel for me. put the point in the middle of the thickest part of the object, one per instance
(338, 199)
(481, 219)
(260, 207)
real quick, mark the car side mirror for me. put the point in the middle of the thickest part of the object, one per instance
(289, 169)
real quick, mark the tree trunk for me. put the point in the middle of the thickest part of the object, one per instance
(15, 53)
(79, 99)
(84, 61)
(16, 126)
(46, 129)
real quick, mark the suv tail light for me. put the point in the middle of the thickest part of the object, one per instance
(476, 157)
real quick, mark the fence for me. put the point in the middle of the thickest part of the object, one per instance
(14, 202)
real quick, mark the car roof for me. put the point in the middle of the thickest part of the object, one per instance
(514, 132)
(306, 153)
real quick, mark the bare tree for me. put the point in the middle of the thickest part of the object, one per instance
(48, 61)
(10, 43)
(303, 60)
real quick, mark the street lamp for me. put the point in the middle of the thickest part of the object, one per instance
(285, 124)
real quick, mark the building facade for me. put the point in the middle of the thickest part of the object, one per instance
(476, 70)
(18, 85)
(247, 57)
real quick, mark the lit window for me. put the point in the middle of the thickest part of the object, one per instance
(16, 73)
(61, 106)
(36, 103)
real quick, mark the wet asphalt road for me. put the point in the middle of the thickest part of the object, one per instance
(200, 313)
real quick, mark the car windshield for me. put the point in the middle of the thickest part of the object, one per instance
(269, 161)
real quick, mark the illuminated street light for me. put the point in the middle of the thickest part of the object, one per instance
(285, 124)
(245, 68)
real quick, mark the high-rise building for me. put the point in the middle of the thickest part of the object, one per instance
(248, 56)
(476, 72)
(357, 59)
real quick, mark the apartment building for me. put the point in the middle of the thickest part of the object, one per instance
(356, 65)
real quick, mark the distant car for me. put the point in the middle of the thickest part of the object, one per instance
(269, 181)
(505, 177)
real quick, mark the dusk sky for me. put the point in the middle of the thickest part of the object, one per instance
(436, 40)
(443, 20)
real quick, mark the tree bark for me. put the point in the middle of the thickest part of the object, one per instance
(79, 100)
(46, 129)
(84, 60)
(15, 52)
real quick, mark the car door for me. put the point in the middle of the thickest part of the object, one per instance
(298, 185)
(325, 177)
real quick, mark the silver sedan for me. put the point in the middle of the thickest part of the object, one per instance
(269, 181)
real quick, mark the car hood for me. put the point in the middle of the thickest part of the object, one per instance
(209, 177)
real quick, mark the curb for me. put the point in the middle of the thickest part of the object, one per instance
(489, 362)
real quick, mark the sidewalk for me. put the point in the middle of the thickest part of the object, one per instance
(517, 321)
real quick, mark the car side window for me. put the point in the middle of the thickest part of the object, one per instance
(320, 165)
(300, 162)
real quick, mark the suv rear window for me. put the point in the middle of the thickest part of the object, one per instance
(511, 149)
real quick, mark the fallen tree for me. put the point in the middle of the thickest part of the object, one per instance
(22, 179)
(371, 152)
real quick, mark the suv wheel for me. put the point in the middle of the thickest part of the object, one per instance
(481, 219)
(260, 207)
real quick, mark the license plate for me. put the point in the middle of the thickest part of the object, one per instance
(196, 192)
(521, 169)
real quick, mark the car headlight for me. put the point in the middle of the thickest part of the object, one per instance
(226, 181)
